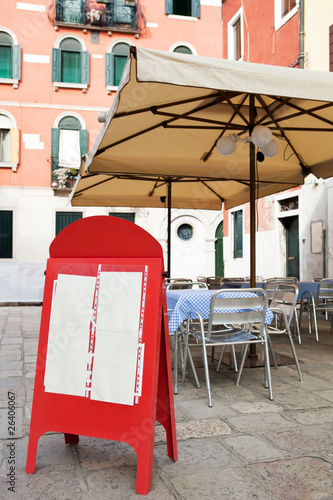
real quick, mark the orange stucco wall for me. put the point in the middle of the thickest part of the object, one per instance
(35, 104)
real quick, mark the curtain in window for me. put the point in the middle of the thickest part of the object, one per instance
(4, 145)
(69, 149)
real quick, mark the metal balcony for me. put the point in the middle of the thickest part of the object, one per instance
(117, 15)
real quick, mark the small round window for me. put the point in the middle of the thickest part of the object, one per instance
(185, 232)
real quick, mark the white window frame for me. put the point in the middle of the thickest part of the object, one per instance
(8, 164)
(114, 88)
(231, 44)
(66, 85)
(278, 19)
(185, 44)
(10, 81)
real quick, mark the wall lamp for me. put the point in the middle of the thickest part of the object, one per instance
(261, 136)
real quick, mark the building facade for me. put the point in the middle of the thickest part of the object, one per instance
(60, 65)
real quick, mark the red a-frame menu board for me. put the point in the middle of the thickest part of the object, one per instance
(104, 342)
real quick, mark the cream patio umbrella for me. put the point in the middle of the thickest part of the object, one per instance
(173, 113)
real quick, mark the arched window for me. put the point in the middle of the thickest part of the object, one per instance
(69, 143)
(115, 62)
(10, 59)
(9, 141)
(183, 49)
(70, 64)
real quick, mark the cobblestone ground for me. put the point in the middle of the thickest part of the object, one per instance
(244, 447)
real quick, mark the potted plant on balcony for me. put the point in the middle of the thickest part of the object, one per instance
(94, 16)
(63, 177)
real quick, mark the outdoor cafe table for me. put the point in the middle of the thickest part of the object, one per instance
(181, 302)
(304, 287)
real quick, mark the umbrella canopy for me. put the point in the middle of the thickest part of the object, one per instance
(168, 114)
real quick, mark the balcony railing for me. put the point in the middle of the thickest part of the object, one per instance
(118, 14)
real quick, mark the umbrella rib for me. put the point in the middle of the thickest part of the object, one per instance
(206, 155)
(310, 112)
(78, 193)
(167, 105)
(264, 105)
(132, 136)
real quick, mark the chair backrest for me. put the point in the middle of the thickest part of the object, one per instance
(325, 290)
(227, 280)
(285, 298)
(191, 285)
(180, 283)
(259, 279)
(214, 282)
(235, 307)
(272, 283)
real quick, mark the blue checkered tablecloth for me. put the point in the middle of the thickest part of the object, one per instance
(181, 302)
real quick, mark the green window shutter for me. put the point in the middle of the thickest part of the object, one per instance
(83, 141)
(6, 234)
(124, 215)
(16, 62)
(195, 8)
(85, 67)
(109, 69)
(169, 6)
(55, 132)
(63, 219)
(55, 65)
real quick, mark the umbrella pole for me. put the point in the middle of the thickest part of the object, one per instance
(169, 229)
(252, 200)
(253, 350)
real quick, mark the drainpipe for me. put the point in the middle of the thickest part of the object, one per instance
(301, 56)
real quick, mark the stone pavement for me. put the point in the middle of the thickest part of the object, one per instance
(245, 447)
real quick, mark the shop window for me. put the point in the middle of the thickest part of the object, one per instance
(63, 219)
(6, 234)
(124, 215)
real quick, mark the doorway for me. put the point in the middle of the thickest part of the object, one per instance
(219, 264)
(292, 245)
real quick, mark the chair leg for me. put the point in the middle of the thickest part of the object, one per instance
(272, 351)
(204, 353)
(315, 318)
(298, 329)
(233, 360)
(244, 351)
(220, 360)
(268, 379)
(295, 355)
(193, 369)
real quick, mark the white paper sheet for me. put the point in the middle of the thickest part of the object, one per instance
(66, 359)
(115, 358)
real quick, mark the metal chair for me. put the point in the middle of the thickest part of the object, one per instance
(230, 322)
(191, 285)
(322, 302)
(283, 305)
(270, 286)
(214, 282)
